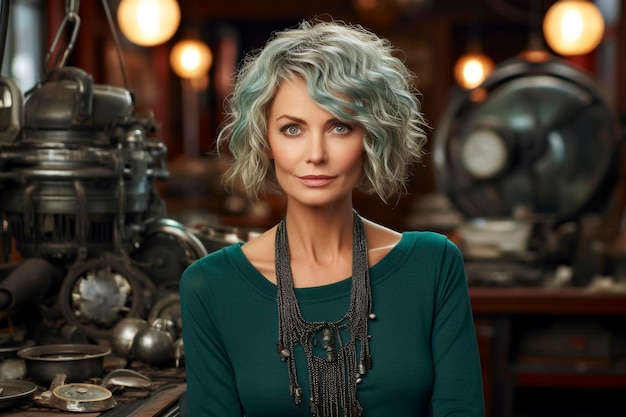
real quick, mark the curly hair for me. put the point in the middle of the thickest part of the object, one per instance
(336, 60)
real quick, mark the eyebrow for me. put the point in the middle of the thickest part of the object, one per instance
(292, 118)
(302, 121)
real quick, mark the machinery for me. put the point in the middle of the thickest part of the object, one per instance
(532, 154)
(78, 204)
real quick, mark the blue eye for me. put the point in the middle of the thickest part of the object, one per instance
(291, 130)
(342, 129)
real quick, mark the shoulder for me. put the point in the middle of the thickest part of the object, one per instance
(214, 264)
(430, 240)
(380, 240)
(260, 246)
(432, 249)
(260, 253)
(439, 256)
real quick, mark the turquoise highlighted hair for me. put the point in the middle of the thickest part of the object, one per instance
(336, 60)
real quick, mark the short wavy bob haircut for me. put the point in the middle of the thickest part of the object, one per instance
(336, 60)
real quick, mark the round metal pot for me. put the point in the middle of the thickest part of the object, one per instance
(78, 397)
(82, 398)
(78, 362)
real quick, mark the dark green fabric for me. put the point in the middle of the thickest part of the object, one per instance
(423, 342)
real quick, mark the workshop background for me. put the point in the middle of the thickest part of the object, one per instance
(110, 185)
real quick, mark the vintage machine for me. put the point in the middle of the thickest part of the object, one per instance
(531, 159)
(85, 237)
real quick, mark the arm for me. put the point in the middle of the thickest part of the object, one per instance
(211, 387)
(457, 389)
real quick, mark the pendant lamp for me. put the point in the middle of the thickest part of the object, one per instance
(148, 22)
(191, 59)
(573, 27)
(471, 69)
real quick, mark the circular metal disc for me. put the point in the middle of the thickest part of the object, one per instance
(82, 392)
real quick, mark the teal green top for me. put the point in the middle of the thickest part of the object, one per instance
(423, 343)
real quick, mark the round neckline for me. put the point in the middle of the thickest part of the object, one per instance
(378, 272)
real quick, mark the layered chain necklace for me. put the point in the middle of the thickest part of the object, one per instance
(345, 358)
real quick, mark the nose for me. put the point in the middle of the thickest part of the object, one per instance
(316, 151)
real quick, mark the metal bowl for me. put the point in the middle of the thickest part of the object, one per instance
(14, 392)
(78, 362)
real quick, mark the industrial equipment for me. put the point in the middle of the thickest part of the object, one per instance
(85, 237)
(531, 159)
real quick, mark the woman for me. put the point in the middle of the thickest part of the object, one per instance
(327, 314)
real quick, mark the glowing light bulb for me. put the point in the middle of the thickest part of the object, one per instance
(148, 22)
(573, 27)
(472, 69)
(191, 59)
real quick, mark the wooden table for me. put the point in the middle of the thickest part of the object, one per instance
(498, 312)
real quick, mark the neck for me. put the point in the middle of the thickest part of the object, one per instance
(319, 232)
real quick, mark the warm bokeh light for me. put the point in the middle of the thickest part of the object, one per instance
(535, 55)
(573, 27)
(471, 69)
(148, 22)
(191, 59)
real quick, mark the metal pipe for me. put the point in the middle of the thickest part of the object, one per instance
(28, 284)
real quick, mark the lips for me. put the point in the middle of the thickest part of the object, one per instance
(315, 180)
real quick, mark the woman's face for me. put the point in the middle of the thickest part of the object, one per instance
(318, 159)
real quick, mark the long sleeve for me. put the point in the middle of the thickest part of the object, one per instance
(457, 389)
(211, 388)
